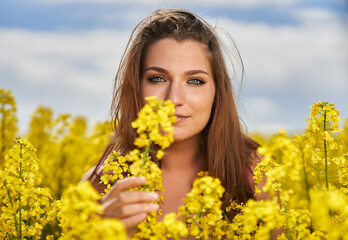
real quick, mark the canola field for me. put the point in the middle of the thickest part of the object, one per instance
(41, 197)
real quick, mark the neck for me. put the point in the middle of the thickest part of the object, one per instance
(183, 156)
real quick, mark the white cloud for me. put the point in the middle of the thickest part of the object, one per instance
(261, 106)
(311, 56)
(309, 53)
(87, 60)
(159, 3)
(316, 17)
(258, 111)
(69, 71)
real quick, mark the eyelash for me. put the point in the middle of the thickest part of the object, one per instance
(151, 79)
(200, 81)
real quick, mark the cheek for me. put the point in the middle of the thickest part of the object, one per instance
(203, 105)
(148, 89)
(145, 91)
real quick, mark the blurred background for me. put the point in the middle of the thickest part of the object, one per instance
(64, 54)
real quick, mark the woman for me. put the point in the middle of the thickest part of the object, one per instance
(174, 54)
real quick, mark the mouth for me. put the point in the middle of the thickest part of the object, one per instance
(180, 117)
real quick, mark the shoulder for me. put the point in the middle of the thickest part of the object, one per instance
(255, 159)
(93, 176)
(88, 174)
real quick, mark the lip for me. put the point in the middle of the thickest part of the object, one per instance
(180, 117)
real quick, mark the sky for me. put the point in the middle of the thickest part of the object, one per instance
(64, 54)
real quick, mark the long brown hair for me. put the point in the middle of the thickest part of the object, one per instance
(228, 150)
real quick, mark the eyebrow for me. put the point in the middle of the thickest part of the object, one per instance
(188, 73)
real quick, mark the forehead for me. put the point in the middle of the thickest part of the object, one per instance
(169, 53)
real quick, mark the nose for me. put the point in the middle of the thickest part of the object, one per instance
(176, 93)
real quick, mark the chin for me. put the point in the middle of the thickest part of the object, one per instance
(179, 137)
(184, 137)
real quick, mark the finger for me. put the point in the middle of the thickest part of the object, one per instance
(129, 198)
(124, 184)
(133, 209)
(134, 220)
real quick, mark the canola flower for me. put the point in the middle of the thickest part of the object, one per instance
(154, 126)
(326, 148)
(345, 135)
(65, 147)
(256, 220)
(202, 209)
(8, 122)
(26, 208)
(80, 218)
(330, 213)
(309, 174)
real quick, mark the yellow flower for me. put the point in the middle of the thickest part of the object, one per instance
(115, 167)
(79, 216)
(8, 121)
(324, 143)
(154, 123)
(26, 208)
(330, 213)
(257, 219)
(202, 209)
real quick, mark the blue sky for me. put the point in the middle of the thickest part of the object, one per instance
(64, 54)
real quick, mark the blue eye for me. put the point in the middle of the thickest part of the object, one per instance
(156, 79)
(196, 81)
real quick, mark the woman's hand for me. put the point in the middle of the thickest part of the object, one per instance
(130, 207)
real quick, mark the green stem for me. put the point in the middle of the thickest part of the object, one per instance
(8, 193)
(325, 150)
(147, 149)
(14, 215)
(199, 217)
(195, 220)
(288, 232)
(11, 236)
(61, 166)
(307, 187)
(225, 216)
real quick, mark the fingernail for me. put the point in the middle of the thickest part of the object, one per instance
(153, 207)
(153, 195)
(142, 178)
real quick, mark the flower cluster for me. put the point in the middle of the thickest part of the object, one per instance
(26, 208)
(329, 211)
(200, 217)
(8, 121)
(202, 209)
(256, 220)
(326, 148)
(79, 216)
(62, 143)
(154, 124)
(115, 167)
(309, 175)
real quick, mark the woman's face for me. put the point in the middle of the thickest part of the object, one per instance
(181, 72)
